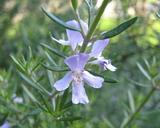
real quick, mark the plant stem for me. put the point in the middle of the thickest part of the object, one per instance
(79, 21)
(140, 107)
(94, 24)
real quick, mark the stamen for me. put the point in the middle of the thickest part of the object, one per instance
(77, 76)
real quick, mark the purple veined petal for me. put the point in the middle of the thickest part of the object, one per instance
(79, 94)
(98, 47)
(74, 37)
(77, 62)
(93, 81)
(5, 125)
(63, 42)
(63, 83)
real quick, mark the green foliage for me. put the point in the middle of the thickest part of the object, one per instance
(30, 62)
(74, 4)
(58, 21)
(120, 28)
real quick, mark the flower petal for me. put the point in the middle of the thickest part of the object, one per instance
(5, 125)
(77, 62)
(63, 83)
(63, 42)
(111, 67)
(93, 81)
(98, 47)
(74, 37)
(79, 94)
(84, 26)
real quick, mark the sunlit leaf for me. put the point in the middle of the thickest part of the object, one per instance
(31, 96)
(143, 71)
(117, 30)
(20, 66)
(131, 101)
(58, 21)
(50, 58)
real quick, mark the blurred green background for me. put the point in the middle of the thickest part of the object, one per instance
(23, 26)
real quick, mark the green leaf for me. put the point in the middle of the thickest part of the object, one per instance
(147, 63)
(34, 85)
(74, 4)
(7, 105)
(56, 68)
(55, 51)
(69, 118)
(109, 80)
(64, 98)
(20, 66)
(144, 72)
(58, 21)
(89, 11)
(34, 112)
(158, 14)
(117, 30)
(138, 83)
(47, 104)
(50, 58)
(31, 96)
(124, 122)
(109, 124)
(131, 101)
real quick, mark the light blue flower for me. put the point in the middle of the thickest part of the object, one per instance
(74, 37)
(5, 125)
(77, 76)
(96, 52)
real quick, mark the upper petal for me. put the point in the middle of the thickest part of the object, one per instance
(79, 94)
(84, 26)
(74, 37)
(93, 81)
(77, 62)
(98, 47)
(63, 83)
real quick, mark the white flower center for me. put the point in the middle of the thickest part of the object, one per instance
(77, 76)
